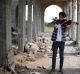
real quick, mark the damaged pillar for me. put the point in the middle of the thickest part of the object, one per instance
(78, 19)
(21, 25)
(29, 26)
(74, 18)
(42, 20)
(6, 53)
(34, 19)
(70, 17)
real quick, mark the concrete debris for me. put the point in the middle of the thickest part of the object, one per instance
(7, 71)
(44, 43)
(35, 73)
(2, 71)
(24, 58)
(31, 47)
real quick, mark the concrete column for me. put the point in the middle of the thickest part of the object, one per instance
(21, 25)
(38, 17)
(6, 54)
(70, 17)
(74, 18)
(67, 10)
(13, 13)
(78, 19)
(42, 20)
(29, 26)
(70, 10)
(34, 18)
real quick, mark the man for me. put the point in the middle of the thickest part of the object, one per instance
(58, 38)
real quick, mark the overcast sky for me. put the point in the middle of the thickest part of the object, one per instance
(50, 12)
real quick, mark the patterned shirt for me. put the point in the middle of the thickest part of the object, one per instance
(54, 34)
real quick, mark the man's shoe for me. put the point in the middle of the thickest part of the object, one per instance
(61, 71)
(52, 72)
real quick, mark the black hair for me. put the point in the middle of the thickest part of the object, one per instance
(62, 14)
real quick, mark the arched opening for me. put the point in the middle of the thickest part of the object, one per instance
(51, 13)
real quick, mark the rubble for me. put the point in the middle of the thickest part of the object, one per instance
(2, 71)
(15, 48)
(23, 58)
(7, 71)
(31, 47)
(44, 43)
(41, 63)
(35, 73)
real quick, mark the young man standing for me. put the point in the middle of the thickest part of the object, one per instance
(58, 38)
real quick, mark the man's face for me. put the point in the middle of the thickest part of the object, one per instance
(61, 17)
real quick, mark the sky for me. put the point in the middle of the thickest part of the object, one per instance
(50, 12)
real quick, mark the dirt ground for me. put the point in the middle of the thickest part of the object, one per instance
(43, 64)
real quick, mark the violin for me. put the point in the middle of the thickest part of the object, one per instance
(64, 22)
(67, 22)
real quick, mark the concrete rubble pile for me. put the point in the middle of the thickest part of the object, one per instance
(40, 43)
(15, 49)
(7, 70)
(2, 71)
(44, 43)
(31, 47)
(23, 58)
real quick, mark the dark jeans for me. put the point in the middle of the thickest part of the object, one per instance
(55, 46)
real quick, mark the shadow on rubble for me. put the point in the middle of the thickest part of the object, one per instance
(25, 70)
(46, 71)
